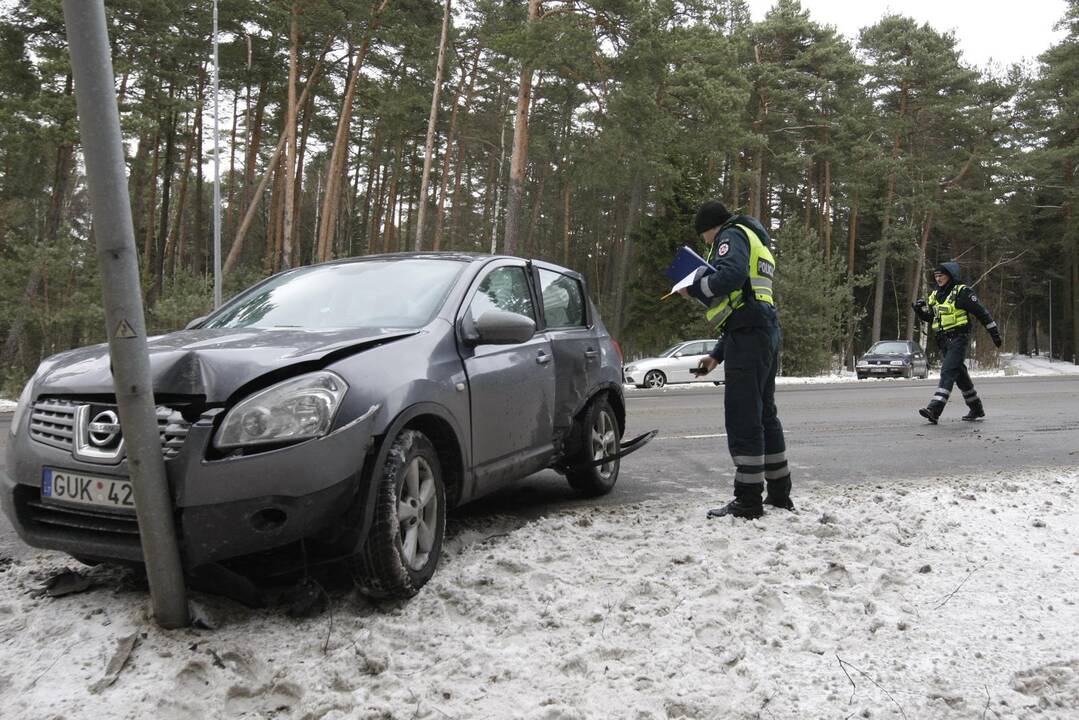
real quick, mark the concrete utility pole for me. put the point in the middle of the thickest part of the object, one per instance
(102, 146)
(217, 172)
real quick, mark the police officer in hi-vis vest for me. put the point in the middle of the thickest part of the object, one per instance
(949, 310)
(740, 304)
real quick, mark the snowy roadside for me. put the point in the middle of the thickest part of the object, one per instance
(7, 406)
(944, 598)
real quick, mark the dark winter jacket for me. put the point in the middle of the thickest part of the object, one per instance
(965, 300)
(731, 261)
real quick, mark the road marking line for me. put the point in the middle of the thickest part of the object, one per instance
(693, 437)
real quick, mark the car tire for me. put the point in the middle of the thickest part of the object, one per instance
(861, 376)
(655, 379)
(598, 435)
(403, 546)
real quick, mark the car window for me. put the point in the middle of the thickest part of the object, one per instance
(504, 288)
(402, 293)
(890, 348)
(563, 300)
(702, 348)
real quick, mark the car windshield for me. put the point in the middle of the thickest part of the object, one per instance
(890, 348)
(403, 293)
(670, 351)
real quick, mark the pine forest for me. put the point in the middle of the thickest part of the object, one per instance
(583, 132)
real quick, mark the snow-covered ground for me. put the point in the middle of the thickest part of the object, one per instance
(7, 406)
(955, 597)
(1040, 365)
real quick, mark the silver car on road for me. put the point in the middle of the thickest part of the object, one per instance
(673, 366)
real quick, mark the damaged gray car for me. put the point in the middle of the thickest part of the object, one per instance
(343, 406)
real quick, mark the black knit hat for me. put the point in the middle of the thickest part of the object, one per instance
(711, 214)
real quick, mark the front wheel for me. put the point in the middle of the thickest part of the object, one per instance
(402, 549)
(655, 379)
(599, 436)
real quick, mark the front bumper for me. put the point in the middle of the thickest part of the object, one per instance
(224, 508)
(883, 371)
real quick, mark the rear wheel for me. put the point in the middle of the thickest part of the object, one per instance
(655, 379)
(403, 546)
(599, 436)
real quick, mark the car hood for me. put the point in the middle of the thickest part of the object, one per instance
(878, 356)
(212, 363)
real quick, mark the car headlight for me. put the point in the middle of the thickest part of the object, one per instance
(22, 403)
(863, 363)
(898, 362)
(300, 408)
(631, 368)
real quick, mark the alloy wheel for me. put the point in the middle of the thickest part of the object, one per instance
(604, 442)
(417, 513)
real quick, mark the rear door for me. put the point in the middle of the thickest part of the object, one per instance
(511, 387)
(574, 342)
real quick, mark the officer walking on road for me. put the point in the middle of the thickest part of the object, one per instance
(949, 310)
(739, 299)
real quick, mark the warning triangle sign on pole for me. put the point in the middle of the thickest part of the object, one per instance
(124, 330)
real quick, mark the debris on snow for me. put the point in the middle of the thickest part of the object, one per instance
(902, 605)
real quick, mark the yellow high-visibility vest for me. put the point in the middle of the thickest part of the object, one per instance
(946, 316)
(762, 267)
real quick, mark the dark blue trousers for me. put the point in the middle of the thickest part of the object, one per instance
(754, 433)
(953, 371)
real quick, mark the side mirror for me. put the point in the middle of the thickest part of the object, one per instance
(196, 322)
(497, 327)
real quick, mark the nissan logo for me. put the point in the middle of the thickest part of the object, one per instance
(104, 429)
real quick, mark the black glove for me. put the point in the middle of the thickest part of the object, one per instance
(919, 304)
(995, 334)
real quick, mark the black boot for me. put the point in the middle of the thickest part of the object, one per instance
(779, 493)
(977, 412)
(931, 412)
(746, 504)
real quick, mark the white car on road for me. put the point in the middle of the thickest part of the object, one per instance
(673, 366)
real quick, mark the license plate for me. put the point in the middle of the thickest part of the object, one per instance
(879, 369)
(72, 487)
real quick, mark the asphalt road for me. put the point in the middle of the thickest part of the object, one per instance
(840, 433)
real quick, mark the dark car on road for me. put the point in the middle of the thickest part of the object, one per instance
(346, 405)
(893, 358)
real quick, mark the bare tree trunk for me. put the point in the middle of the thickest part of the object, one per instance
(498, 190)
(252, 205)
(339, 154)
(451, 133)
(199, 245)
(174, 241)
(148, 234)
(297, 188)
(919, 266)
(429, 146)
(826, 211)
(885, 242)
(537, 204)
(389, 233)
(290, 141)
(625, 257)
(566, 221)
(519, 159)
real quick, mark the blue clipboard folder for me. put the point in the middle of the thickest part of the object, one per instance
(684, 267)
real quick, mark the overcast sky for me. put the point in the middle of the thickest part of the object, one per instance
(988, 30)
